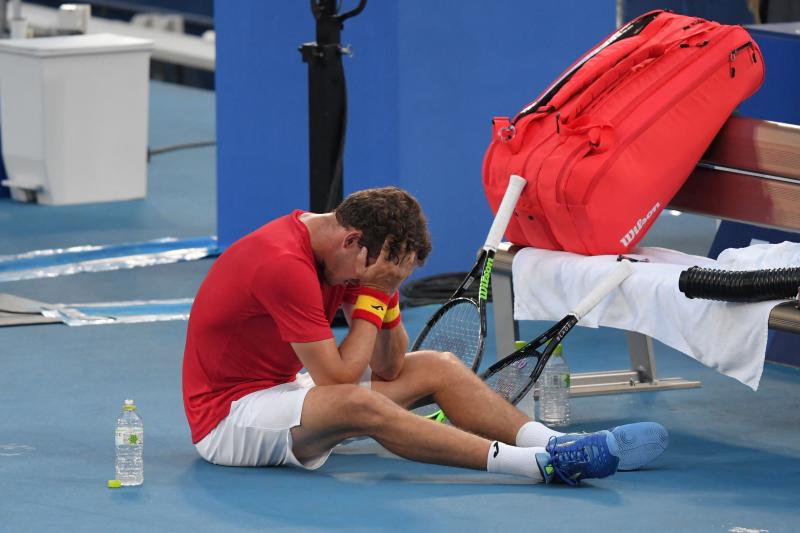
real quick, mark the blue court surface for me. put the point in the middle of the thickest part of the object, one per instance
(733, 463)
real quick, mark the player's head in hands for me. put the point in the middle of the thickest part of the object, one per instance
(372, 221)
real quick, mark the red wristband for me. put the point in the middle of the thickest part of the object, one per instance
(371, 305)
(392, 318)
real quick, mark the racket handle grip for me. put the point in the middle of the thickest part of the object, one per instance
(504, 212)
(617, 276)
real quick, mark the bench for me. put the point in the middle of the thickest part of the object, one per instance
(751, 174)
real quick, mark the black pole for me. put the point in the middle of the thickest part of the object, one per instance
(327, 105)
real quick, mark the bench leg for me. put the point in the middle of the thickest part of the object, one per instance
(506, 328)
(643, 361)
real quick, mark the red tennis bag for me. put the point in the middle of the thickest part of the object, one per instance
(608, 144)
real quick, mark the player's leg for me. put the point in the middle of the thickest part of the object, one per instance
(334, 413)
(473, 406)
(468, 402)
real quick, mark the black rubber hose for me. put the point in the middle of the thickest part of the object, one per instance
(740, 286)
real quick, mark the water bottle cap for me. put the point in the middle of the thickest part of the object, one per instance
(559, 350)
(129, 406)
(114, 483)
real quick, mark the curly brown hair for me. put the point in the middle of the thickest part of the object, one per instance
(386, 214)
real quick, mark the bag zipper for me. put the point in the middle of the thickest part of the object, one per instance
(735, 51)
(601, 172)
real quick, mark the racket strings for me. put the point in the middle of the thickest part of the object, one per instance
(512, 380)
(458, 331)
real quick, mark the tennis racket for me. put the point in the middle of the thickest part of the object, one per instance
(513, 376)
(459, 325)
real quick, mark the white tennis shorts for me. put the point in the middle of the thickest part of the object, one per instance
(257, 431)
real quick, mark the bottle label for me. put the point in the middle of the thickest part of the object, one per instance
(129, 438)
(559, 381)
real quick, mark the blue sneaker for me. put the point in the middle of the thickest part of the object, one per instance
(545, 464)
(640, 443)
(593, 455)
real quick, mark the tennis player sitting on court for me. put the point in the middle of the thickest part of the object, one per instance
(264, 312)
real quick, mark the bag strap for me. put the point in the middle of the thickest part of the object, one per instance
(611, 76)
(601, 64)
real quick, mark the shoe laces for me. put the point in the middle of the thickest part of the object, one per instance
(565, 459)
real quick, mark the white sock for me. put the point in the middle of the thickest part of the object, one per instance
(535, 434)
(505, 459)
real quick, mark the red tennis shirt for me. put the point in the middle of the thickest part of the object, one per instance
(261, 294)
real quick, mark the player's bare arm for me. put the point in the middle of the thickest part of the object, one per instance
(332, 365)
(391, 344)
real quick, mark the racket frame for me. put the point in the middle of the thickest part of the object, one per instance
(551, 338)
(482, 272)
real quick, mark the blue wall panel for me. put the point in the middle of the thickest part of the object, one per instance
(458, 69)
(423, 85)
(726, 12)
(778, 98)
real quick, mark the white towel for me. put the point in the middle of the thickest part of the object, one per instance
(728, 337)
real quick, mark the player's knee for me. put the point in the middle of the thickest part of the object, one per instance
(368, 408)
(441, 359)
(449, 363)
(446, 363)
(445, 367)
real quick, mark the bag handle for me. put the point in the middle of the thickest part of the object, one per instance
(601, 64)
(611, 76)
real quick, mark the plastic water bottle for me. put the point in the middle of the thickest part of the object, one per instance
(554, 391)
(130, 445)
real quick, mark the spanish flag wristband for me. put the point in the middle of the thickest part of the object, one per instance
(392, 318)
(371, 305)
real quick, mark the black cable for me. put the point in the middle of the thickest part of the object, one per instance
(740, 286)
(175, 147)
(436, 289)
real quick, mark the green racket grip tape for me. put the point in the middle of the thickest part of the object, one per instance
(483, 291)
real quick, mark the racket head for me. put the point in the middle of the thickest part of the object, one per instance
(459, 327)
(513, 376)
